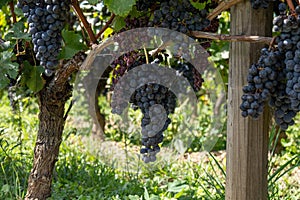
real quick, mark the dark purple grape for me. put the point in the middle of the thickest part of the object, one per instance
(46, 21)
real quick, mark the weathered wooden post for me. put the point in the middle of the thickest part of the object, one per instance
(247, 139)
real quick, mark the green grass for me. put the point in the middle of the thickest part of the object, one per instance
(83, 171)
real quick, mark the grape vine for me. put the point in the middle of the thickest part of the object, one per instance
(46, 19)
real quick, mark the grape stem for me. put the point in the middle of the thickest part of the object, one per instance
(85, 23)
(272, 43)
(231, 38)
(12, 10)
(224, 5)
(85, 37)
(146, 55)
(105, 26)
(291, 5)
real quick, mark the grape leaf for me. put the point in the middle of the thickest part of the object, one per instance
(73, 44)
(4, 2)
(120, 7)
(4, 81)
(7, 66)
(7, 69)
(118, 23)
(199, 5)
(32, 77)
(135, 13)
(17, 32)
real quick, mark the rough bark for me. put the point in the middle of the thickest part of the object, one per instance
(247, 139)
(51, 99)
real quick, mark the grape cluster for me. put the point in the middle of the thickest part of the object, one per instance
(125, 63)
(149, 95)
(284, 62)
(262, 82)
(155, 120)
(144, 5)
(256, 4)
(182, 17)
(46, 20)
(178, 15)
(133, 59)
(190, 72)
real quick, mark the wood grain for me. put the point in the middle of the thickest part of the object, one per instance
(247, 139)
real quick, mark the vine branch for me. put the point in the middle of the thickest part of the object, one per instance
(106, 26)
(12, 10)
(64, 72)
(231, 38)
(291, 5)
(224, 5)
(85, 23)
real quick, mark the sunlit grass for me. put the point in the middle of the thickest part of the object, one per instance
(83, 170)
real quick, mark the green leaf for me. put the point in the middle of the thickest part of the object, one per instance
(32, 77)
(107, 33)
(199, 5)
(6, 46)
(7, 69)
(17, 32)
(93, 1)
(5, 188)
(118, 23)
(4, 2)
(4, 81)
(146, 194)
(73, 43)
(176, 186)
(135, 197)
(135, 13)
(120, 7)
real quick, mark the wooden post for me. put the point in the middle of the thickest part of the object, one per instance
(247, 139)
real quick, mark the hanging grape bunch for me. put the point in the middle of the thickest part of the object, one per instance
(152, 94)
(256, 4)
(46, 19)
(177, 15)
(152, 135)
(275, 78)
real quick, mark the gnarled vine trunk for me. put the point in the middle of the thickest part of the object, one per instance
(52, 99)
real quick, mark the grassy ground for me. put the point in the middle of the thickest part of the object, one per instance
(90, 169)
